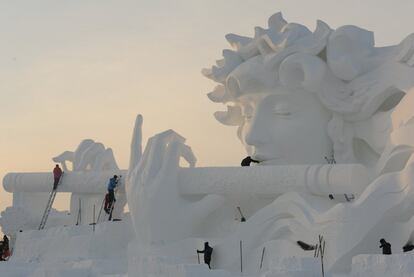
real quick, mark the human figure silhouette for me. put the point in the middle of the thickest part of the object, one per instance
(110, 197)
(207, 253)
(247, 161)
(386, 247)
(57, 174)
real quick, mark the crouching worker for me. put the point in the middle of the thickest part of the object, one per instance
(247, 161)
(408, 247)
(110, 196)
(207, 253)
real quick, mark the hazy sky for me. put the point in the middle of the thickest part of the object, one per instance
(76, 69)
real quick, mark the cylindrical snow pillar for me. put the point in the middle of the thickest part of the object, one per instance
(77, 182)
(266, 181)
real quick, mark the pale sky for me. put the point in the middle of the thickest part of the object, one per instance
(79, 69)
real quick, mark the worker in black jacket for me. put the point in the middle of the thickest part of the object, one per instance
(247, 161)
(386, 247)
(207, 253)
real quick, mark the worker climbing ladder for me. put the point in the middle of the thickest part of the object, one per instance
(49, 206)
(111, 209)
(107, 199)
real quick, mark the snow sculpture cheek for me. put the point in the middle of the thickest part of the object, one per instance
(287, 127)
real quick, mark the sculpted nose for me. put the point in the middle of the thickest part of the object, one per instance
(257, 134)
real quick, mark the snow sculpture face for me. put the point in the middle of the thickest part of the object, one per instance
(285, 128)
(277, 124)
(298, 97)
(280, 125)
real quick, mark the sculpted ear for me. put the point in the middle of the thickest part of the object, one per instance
(303, 71)
(233, 86)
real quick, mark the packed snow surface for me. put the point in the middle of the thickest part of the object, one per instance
(71, 251)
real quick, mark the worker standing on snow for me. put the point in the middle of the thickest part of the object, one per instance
(207, 253)
(6, 248)
(386, 247)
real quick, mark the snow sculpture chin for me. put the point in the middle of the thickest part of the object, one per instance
(309, 105)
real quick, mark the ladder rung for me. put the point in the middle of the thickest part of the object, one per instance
(49, 206)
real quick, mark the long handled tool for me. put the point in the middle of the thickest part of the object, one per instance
(242, 218)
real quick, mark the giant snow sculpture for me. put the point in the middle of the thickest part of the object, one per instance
(328, 115)
(299, 99)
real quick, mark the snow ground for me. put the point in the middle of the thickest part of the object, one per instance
(71, 251)
(79, 251)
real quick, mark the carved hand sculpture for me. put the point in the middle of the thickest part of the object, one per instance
(159, 213)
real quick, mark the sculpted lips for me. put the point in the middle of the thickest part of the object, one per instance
(263, 157)
(259, 157)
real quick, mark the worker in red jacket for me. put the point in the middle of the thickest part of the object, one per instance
(57, 173)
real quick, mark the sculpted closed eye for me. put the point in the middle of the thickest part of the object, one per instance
(281, 109)
(282, 112)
